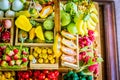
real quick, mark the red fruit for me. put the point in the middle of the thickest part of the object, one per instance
(20, 74)
(3, 48)
(15, 51)
(24, 59)
(21, 79)
(30, 73)
(6, 36)
(26, 75)
(7, 24)
(90, 32)
(52, 75)
(56, 73)
(6, 58)
(42, 76)
(36, 73)
(55, 79)
(86, 59)
(92, 38)
(92, 67)
(25, 53)
(0, 54)
(45, 71)
(96, 72)
(11, 63)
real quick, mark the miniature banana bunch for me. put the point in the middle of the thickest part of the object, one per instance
(88, 20)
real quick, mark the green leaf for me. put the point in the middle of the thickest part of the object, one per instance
(99, 60)
(90, 54)
(90, 62)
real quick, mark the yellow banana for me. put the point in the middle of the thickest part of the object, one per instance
(79, 25)
(57, 45)
(92, 22)
(89, 26)
(93, 9)
(94, 17)
(85, 28)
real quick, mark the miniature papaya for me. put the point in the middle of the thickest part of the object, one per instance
(46, 11)
(23, 23)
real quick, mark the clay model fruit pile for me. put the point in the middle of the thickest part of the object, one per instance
(5, 28)
(13, 57)
(7, 75)
(38, 32)
(43, 55)
(38, 75)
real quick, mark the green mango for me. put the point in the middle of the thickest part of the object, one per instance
(65, 18)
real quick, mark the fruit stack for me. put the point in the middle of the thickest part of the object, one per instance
(7, 75)
(13, 57)
(5, 30)
(43, 56)
(38, 75)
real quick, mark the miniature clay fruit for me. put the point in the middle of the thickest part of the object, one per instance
(6, 36)
(52, 61)
(7, 24)
(31, 57)
(46, 61)
(50, 51)
(44, 50)
(40, 60)
(50, 57)
(35, 54)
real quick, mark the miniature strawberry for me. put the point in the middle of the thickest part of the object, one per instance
(12, 62)
(6, 58)
(96, 72)
(18, 62)
(86, 59)
(15, 51)
(16, 56)
(90, 32)
(24, 59)
(4, 64)
(6, 36)
(92, 67)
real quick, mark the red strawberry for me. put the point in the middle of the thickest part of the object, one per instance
(12, 62)
(96, 72)
(6, 36)
(24, 59)
(15, 51)
(6, 58)
(90, 32)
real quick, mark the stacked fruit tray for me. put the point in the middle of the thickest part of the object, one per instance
(46, 35)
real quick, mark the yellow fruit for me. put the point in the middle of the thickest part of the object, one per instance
(40, 60)
(85, 28)
(7, 74)
(50, 57)
(44, 51)
(79, 25)
(89, 26)
(13, 73)
(94, 17)
(92, 22)
(39, 50)
(50, 51)
(3, 77)
(52, 61)
(44, 56)
(46, 61)
(35, 49)
(11, 78)
(31, 57)
(39, 33)
(0, 73)
(35, 54)
(40, 56)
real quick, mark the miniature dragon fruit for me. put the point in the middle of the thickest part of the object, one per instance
(6, 58)
(6, 36)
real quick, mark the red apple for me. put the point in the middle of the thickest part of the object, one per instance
(56, 73)
(45, 71)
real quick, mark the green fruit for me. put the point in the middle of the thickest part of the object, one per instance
(48, 24)
(70, 73)
(49, 35)
(90, 77)
(65, 18)
(83, 78)
(72, 28)
(81, 73)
